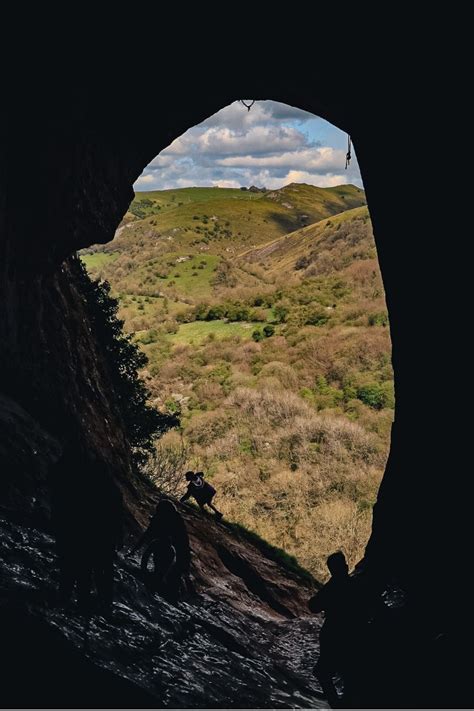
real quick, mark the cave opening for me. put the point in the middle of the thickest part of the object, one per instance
(246, 270)
(51, 371)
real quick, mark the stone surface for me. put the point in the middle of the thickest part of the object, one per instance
(225, 646)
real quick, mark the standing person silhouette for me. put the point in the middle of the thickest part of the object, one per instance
(201, 491)
(86, 516)
(337, 633)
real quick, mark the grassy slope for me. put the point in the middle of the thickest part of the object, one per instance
(198, 331)
(208, 225)
(282, 252)
(188, 214)
(98, 260)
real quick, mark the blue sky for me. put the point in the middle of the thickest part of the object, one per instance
(269, 146)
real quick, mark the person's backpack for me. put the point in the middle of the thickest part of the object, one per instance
(204, 486)
(209, 489)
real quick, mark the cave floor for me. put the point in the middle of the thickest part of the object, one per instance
(199, 653)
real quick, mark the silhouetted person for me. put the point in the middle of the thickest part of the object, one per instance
(104, 531)
(336, 637)
(167, 543)
(201, 491)
(86, 514)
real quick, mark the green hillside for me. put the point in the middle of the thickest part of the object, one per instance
(264, 320)
(180, 242)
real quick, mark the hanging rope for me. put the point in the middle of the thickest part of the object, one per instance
(247, 106)
(348, 154)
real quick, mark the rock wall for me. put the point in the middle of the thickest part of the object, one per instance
(94, 144)
(54, 382)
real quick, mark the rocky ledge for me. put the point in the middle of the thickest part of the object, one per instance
(242, 639)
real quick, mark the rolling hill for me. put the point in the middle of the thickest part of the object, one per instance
(263, 317)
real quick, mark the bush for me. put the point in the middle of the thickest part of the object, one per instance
(281, 312)
(123, 360)
(378, 319)
(268, 330)
(150, 336)
(302, 263)
(316, 317)
(215, 313)
(165, 465)
(257, 335)
(377, 396)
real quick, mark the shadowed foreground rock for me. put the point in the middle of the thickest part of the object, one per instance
(236, 643)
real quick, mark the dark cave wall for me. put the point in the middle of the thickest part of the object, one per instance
(54, 382)
(93, 152)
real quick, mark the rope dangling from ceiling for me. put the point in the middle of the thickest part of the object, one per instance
(348, 154)
(247, 106)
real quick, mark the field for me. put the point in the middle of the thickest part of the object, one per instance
(98, 259)
(197, 332)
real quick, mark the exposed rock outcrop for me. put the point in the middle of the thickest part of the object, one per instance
(243, 639)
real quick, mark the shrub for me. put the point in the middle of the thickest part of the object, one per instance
(302, 263)
(165, 465)
(378, 319)
(215, 313)
(377, 396)
(316, 317)
(281, 312)
(123, 360)
(268, 330)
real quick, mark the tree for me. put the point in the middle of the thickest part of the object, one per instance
(165, 465)
(123, 359)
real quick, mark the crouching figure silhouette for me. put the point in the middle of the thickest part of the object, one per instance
(200, 490)
(167, 545)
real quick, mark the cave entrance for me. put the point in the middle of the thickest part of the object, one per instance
(247, 271)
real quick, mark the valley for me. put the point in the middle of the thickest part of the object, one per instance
(263, 317)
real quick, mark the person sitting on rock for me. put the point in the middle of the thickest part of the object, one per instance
(201, 491)
(337, 633)
(167, 543)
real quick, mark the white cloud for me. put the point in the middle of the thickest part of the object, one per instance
(272, 144)
(161, 161)
(226, 183)
(323, 181)
(145, 179)
(258, 139)
(316, 159)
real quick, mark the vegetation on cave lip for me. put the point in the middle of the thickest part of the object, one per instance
(123, 360)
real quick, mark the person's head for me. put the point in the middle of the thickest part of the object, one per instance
(189, 476)
(337, 564)
(166, 510)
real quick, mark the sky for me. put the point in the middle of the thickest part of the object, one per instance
(269, 146)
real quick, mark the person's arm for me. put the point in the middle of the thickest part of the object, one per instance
(317, 602)
(186, 495)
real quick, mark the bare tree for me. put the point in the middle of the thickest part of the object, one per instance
(166, 465)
